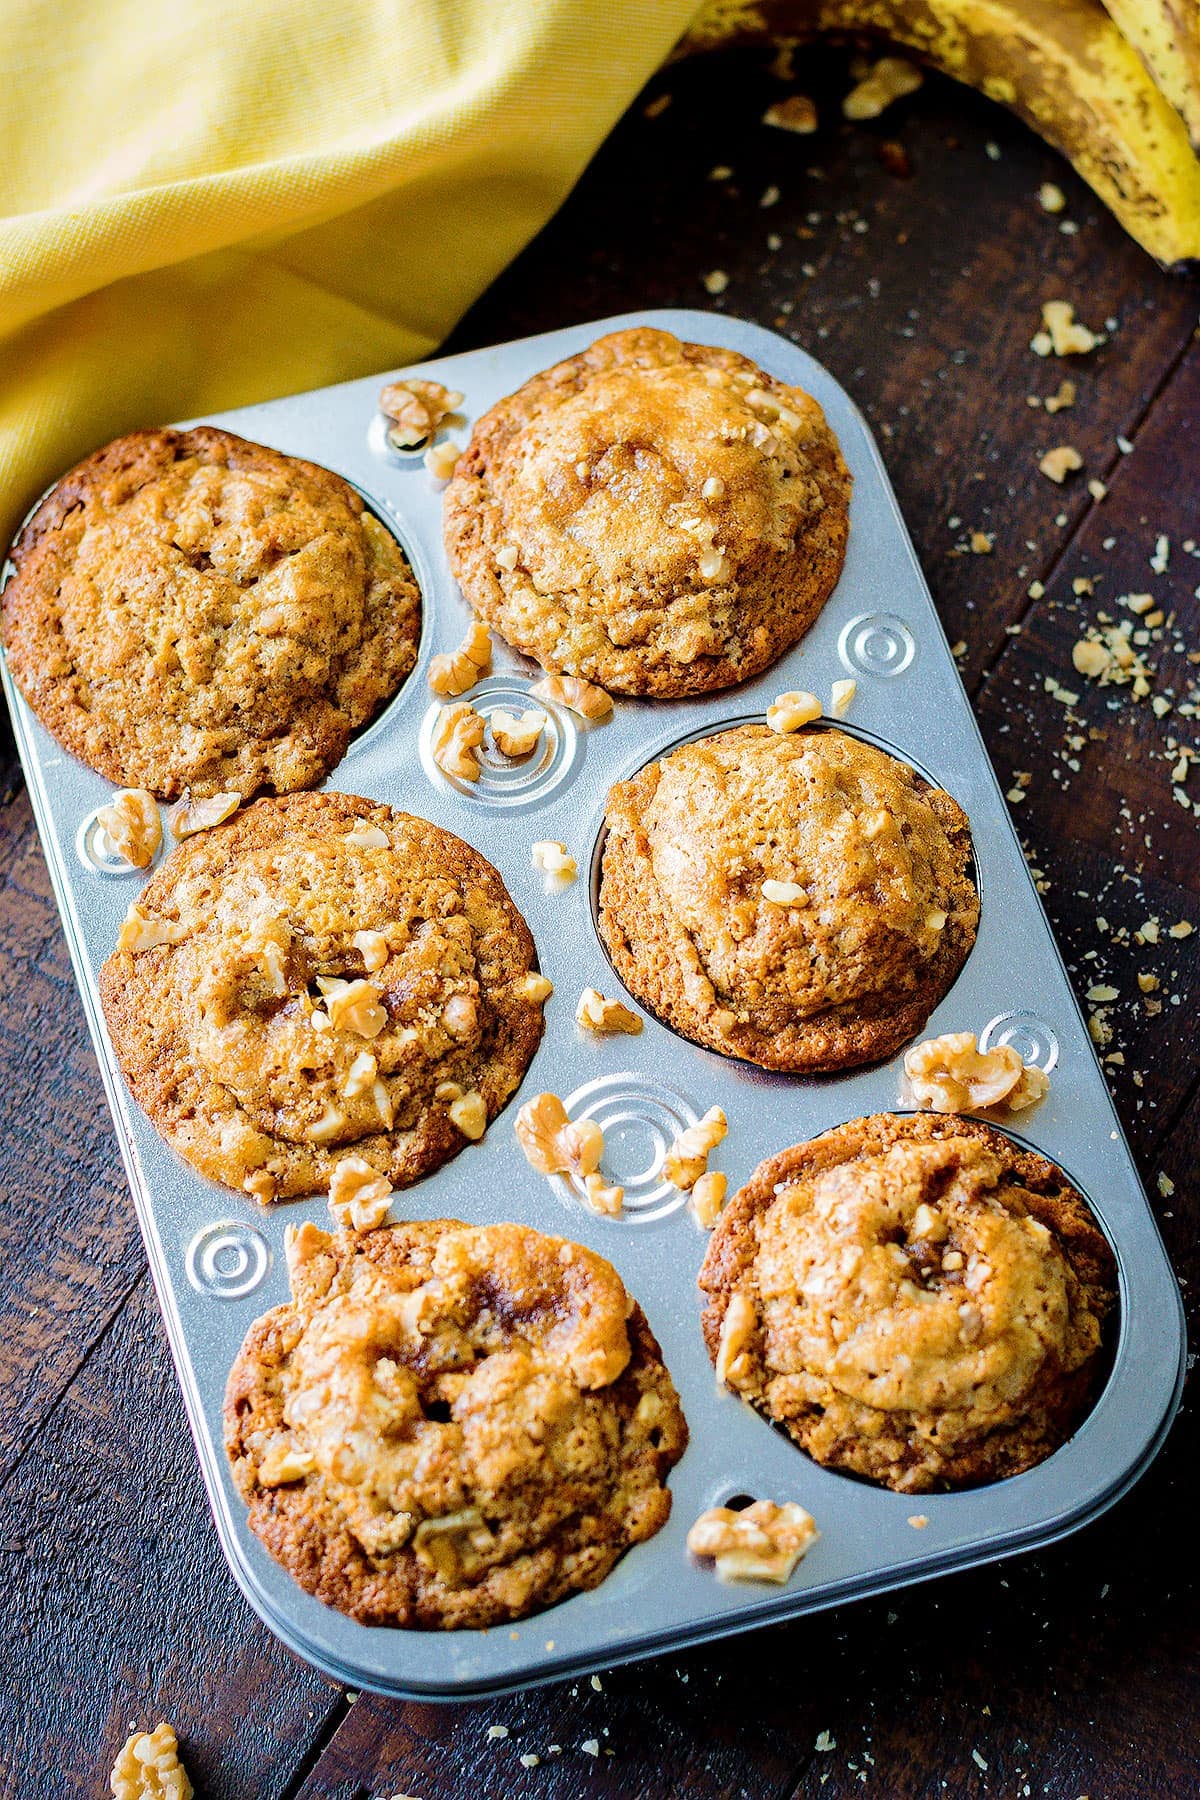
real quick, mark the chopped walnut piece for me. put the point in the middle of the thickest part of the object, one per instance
(454, 671)
(708, 1197)
(687, 1158)
(361, 1075)
(714, 565)
(795, 112)
(555, 862)
(603, 1197)
(1051, 198)
(715, 281)
(416, 408)
(1060, 462)
(331, 1121)
(891, 78)
(516, 734)
(841, 697)
(1063, 334)
(535, 987)
(353, 1005)
(553, 1144)
(282, 1462)
(260, 1186)
(442, 459)
(374, 949)
(457, 734)
(595, 1013)
(578, 696)
(460, 1015)
(359, 1194)
(788, 712)
(1064, 398)
(737, 1332)
(762, 1543)
(469, 1113)
(148, 1768)
(365, 836)
(145, 931)
(982, 543)
(784, 893)
(951, 1074)
(132, 826)
(191, 816)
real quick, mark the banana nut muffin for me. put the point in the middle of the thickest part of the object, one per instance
(322, 977)
(914, 1299)
(800, 900)
(656, 516)
(190, 610)
(451, 1425)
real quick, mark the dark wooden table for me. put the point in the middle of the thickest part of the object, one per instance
(1069, 1673)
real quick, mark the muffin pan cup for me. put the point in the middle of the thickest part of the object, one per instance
(217, 1260)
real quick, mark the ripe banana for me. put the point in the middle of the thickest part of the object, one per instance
(1166, 35)
(1064, 66)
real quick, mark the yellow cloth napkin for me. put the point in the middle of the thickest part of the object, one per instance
(209, 202)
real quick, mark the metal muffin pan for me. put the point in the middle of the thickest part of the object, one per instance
(217, 1261)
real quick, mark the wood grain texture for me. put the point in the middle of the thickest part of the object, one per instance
(1073, 1672)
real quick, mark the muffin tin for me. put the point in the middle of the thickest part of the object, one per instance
(217, 1261)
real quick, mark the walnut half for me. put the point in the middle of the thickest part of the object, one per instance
(148, 1768)
(762, 1543)
(132, 826)
(951, 1074)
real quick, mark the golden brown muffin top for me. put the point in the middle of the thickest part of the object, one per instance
(193, 610)
(459, 1402)
(910, 1296)
(326, 966)
(801, 876)
(641, 515)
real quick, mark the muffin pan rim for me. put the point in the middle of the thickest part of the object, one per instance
(867, 1545)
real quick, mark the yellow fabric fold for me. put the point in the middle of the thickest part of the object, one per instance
(213, 202)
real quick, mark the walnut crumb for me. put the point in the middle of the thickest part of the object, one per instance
(788, 712)
(555, 862)
(552, 1144)
(951, 1074)
(454, 671)
(1060, 462)
(1062, 333)
(148, 1768)
(1051, 198)
(1063, 399)
(132, 826)
(577, 695)
(764, 1542)
(416, 408)
(595, 1013)
(796, 112)
(457, 734)
(687, 1159)
(191, 816)
(918, 1521)
(891, 79)
(516, 734)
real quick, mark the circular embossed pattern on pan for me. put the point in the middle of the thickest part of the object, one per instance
(193, 610)
(513, 783)
(640, 1118)
(801, 900)
(451, 1425)
(656, 516)
(913, 1298)
(332, 979)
